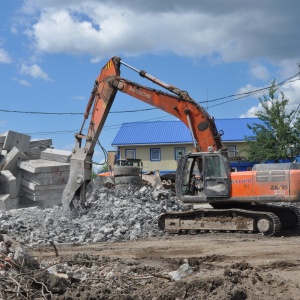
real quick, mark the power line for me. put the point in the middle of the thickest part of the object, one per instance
(115, 126)
(242, 95)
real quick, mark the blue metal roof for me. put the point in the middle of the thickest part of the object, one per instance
(175, 132)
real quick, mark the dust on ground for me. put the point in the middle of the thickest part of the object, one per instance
(206, 266)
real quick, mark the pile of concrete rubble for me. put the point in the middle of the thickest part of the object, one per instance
(111, 215)
(31, 171)
(32, 179)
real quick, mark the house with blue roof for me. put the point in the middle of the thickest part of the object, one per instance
(159, 144)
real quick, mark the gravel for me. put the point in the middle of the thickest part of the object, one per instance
(116, 214)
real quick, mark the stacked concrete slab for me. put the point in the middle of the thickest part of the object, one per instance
(31, 172)
(45, 179)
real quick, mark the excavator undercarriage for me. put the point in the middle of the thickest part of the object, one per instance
(266, 219)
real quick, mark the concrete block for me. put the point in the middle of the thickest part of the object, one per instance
(46, 197)
(34, 153)
(52, 181)
(41, 165)
(7, 203)
(38, 187)
(18, 140)
(11, 160)
(40, 143)
(2, 140)
(4, 152)
(56, 155)
(55, 177)
(4, 202)
(8, 184)
(45, 175)
(25, 202)
(47, 192)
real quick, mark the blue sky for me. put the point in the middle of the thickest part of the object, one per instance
(51, 51)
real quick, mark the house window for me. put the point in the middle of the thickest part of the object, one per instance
(155, 154)
(179, 151)
(130, 153)
(231, 151)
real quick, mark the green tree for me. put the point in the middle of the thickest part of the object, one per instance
(278, 136)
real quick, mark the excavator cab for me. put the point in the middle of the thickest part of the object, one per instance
(201, 176)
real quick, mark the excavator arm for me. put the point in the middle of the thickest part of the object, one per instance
(175, 102)
(100, 102)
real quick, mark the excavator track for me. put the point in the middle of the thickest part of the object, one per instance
(289, 215)
(227, 220)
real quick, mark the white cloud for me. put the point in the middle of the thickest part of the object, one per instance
(228, 32)
(78, 97)
(291, 92)
(13, 30)
(34, 71)
(250, 113)
(24, 82)
(4, 57)
(259, 72)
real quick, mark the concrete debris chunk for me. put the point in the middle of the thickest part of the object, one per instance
(46, 143)
(7, 203)
(10, 162)
(18, 140)
(43, 166)
(8, 184)
(37, 146)
(56, 155)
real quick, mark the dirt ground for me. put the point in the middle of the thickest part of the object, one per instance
(222, 266)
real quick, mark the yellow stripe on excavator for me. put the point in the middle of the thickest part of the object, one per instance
(108, 65)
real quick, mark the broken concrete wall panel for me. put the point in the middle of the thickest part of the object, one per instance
(56, 155)
(46, 175)
(7, 203)
(45, 143)
(25, 202)
(47, 198)
(2, 140)
(33, 186)
(34, 153)
(54, 180)
(36, 147)
(10, 162)
(8, 184)
(43, 166)
(49, 192)
(18, 140)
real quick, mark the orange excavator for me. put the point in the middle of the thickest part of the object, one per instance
(260, 200)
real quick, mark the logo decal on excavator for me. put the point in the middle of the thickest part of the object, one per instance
(141, 93)
(279, 187)
(241, 181)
